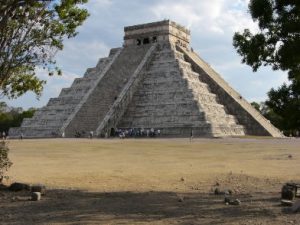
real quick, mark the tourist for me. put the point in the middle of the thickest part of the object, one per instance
(142, 132)
(122, 135)
(91, 134)
(21, 136)
(191, 137)
(3, 135)
(152, 132)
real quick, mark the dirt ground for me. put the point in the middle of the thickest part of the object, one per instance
(151, 181)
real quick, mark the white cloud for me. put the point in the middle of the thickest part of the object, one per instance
(215, 16)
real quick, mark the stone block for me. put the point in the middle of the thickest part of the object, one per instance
(36, 196)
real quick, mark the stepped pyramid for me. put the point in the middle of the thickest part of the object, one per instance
(154, 81)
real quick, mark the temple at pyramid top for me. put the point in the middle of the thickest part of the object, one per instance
(154, 84)
(161, 31)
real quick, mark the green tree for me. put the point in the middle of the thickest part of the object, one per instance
(31, 32)
(278, 41)
(276, 44)
(284, 107)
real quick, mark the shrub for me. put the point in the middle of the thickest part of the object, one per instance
(5, 163)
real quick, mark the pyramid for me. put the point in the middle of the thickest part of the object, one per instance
(154, 81)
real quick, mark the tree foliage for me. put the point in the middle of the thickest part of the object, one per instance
(31, 32)
(282, 108)
(278, 42)
(285, 104)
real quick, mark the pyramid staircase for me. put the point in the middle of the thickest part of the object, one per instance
(48, 120)
(79, 108)
(154, 81)
(254, 123)
(173, 99)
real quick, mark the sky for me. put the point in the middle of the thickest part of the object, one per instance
(212, 24)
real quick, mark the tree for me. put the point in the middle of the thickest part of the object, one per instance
(31, 32)
(284, 105)
(278, 42)
(282, 108)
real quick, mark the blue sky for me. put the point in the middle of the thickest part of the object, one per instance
(212, 24)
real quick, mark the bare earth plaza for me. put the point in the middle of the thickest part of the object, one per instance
(151, 181)
(151, 135)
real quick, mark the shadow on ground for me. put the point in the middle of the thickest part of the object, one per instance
(79, 207)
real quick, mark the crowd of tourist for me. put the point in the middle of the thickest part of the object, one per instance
(121, 133)
(135, 132)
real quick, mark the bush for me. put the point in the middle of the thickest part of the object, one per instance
(5, 163)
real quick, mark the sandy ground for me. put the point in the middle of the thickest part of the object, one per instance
(151, 181)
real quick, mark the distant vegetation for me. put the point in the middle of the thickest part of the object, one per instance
(12, 117)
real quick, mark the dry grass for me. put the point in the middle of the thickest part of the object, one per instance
(150, 164)
(142, 181)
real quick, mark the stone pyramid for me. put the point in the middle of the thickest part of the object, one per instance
(154, 81)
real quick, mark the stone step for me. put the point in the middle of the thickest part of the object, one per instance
(221, 119)
(184, 65)
(115, 78)
(34, 132)
(156, 125)
(212, 107)
(167, 118)
(156, 101)
(167, 103)
(163, 55)
(228, 130)
(164, 65)
(179, 55)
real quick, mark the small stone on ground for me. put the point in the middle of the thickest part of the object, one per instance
(36, 196)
